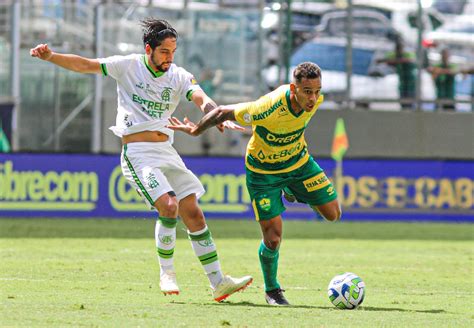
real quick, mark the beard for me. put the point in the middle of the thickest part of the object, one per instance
(160, 67)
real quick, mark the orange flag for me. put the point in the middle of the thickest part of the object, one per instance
(340, 143)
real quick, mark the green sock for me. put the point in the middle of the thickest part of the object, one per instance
(269, 263)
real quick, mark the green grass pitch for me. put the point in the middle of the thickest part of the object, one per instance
(105, 273)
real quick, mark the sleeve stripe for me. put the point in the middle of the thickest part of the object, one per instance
(189, 94)
(103, 67)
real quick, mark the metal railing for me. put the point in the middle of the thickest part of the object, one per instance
(231, 40)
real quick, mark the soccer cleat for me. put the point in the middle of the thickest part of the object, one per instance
(230, 285)
(276, 297)
(289, 195)
(168, 283)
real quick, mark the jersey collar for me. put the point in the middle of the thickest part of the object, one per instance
(292, 111)
(153, 73)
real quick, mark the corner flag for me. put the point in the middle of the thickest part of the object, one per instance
(340, 143)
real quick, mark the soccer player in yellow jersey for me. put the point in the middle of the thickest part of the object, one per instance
(277, 158)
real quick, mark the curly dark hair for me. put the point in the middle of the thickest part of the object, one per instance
(306, 70)
(156, 30)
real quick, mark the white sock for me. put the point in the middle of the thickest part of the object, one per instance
(205, 250)
(165, 238)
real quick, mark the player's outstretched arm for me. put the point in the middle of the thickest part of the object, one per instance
(213, 118)
(68, 61)
(206, 104)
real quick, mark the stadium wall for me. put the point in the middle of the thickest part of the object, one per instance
(372, 134)
(407, 134)
(66, 185)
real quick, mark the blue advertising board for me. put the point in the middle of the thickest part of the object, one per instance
(70, 185)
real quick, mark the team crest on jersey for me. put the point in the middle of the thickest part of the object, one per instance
(264, 204)
(151, 180)
(166, 94)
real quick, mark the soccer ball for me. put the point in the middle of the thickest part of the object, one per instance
(346, 291)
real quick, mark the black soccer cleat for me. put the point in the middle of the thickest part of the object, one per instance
(276, 297)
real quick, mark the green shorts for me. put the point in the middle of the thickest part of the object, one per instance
(308, 183)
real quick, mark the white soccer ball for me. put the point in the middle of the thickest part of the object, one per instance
(346, 291)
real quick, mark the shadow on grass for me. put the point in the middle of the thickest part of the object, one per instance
(253, 305)
(331, 308)
(272, 307)
(372, 308)
(247, 229)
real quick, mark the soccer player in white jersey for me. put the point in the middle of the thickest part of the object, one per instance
(149, 88)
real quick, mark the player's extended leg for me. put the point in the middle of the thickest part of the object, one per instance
(165, 237)
(314, 187)
(331, 211)
(205, 249)
(268, 254)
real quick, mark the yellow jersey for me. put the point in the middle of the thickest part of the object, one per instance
(277, 144)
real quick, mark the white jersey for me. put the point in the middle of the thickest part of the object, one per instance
(146, 99)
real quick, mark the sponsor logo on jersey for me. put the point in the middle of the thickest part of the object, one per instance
(268, 112)
(286, 152)
(277, 139)
(283, 139)
(193, 81)
(153, 108)
(281, 154)
(149, 90)
(317, 182)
